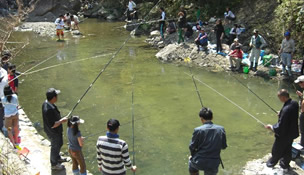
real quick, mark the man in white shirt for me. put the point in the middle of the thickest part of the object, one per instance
(131, 7)
(3, 83)
(59, 27)
(257, 42)
(287, 50)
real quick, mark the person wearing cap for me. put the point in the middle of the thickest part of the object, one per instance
(205, 147)
(286, 51)
(3, 83)
(235, 44)
(236, 56)
(11, 115)
(300, 82)
(285, 131)
(52, 124)
(5, 60)
(112, 152)
(59, 27)
(75, 145)
(257, 42)
(202, 39)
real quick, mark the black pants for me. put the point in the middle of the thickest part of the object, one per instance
(302, 128)
(198, 43)
(129, 15)
(281, 151)
(1, 117)
(218, 44)
(56, 144)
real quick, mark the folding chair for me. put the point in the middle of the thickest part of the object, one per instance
(23, 153)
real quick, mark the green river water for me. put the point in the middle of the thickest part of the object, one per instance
(166, 105)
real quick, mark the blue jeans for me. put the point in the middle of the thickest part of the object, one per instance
(56, 144)
(193, 170)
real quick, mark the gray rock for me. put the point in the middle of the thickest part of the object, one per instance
(111, 17)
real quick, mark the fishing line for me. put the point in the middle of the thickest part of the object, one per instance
(146, 22)
(69, 62)
(106, 66)
(33, 67)
(259, 121)
(133, 134)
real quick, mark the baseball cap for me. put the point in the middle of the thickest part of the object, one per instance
(52, 92)
(287, 34)
(255, 31)
(113, 124)
(236, 39)
(299, 79)
(76, 119)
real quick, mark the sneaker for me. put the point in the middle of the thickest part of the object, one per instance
(58, 167)
(63, 159)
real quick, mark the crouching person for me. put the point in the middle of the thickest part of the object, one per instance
(207, 142)
(202, 40)
(236, 56)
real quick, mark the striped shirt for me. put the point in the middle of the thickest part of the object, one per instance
(112, 155)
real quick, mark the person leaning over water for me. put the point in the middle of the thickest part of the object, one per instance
(286, 130)
(112, 152)
(75, 145)
(52, 124)
(300, 82)
(207, 142)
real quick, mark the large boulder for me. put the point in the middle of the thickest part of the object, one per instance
(48, 10)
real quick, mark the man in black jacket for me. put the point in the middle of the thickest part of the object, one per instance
(52, 123)
(285, 131)
(207, 142)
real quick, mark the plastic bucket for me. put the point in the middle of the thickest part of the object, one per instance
(246, 70)
(273, 72)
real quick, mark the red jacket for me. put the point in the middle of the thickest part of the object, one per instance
(237, 53)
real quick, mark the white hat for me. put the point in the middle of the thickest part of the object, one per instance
(299, 79)
(76, 119)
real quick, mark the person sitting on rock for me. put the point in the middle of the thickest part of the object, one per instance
(202, 40)
(75, 19)
(59, 27)
(236, 56)
(234, 32)
(171, 27)
(229, 15)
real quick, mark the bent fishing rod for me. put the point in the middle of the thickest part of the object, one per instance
(147, 22)
(133, 133)
(106, 66)
(197, 91)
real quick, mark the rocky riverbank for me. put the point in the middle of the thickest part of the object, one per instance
(39, 152)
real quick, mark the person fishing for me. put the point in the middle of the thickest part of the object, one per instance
(13, 78)
(286, 51)
(75, 145)
(285, 130)
(10, 104)
(257, 42)
(131, 7)
(182, 21)
(162, 22)
(300, 82)
(112, 152)
(207, 142)
(236, 56)
(201, 40)
(220, 33)
(59, 27)
(52, 124)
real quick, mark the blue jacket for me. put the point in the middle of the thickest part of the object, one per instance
(207, 142)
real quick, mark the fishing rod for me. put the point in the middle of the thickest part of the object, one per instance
(106, 66)
(198, 93)
(133, 134)
(235, 104)
(69, 62)
(145, 22)
(250, 90)
(33, 67)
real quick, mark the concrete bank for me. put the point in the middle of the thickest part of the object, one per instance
(39, 155)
